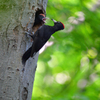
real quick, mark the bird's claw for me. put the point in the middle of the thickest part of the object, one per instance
(27, 32)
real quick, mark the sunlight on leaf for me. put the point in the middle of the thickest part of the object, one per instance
(92, 53)
(61, 78)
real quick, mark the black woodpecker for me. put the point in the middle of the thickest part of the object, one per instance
(39, 21)
(41, 36)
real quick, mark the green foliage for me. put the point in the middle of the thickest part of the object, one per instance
(70, 68)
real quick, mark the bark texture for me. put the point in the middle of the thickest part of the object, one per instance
(16, 16)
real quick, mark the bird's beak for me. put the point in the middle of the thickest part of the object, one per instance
(54, 20)
(44, 19)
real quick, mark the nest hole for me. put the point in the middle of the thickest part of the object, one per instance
(38, 12)
(36, 26)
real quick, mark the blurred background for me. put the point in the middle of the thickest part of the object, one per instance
(69, 65)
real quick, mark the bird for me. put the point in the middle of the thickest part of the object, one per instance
(41, 36)
(40, 19)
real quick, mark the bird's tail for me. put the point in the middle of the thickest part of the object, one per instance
(26, 55)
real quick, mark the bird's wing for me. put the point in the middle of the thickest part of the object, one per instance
(33, 49)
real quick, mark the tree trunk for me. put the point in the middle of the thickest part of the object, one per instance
(16, 16)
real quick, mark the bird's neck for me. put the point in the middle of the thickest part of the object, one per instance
(55, 28)
(58, 26)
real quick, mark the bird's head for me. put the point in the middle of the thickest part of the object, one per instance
(58, 25)
(42, 18)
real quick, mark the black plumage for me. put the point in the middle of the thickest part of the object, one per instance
(39, 19)
(41, 36)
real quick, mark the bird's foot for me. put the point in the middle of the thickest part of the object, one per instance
(27, 33)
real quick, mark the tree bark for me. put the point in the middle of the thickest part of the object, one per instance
(16, 16)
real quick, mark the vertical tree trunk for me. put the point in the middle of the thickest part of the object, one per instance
(14, 19)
